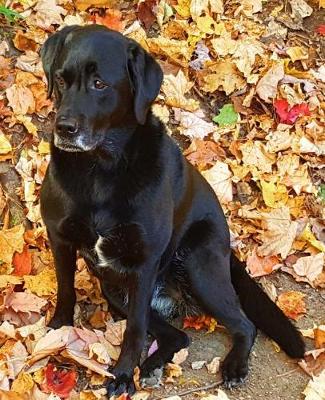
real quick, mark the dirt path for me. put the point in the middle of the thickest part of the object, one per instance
(273, 375)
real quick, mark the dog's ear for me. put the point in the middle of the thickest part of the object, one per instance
(146, 78)
(50, 52)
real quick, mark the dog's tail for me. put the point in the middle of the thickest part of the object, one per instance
(264, 313)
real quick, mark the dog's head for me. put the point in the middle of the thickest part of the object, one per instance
(101, 80)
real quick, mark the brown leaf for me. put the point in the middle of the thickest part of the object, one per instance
(204, 153)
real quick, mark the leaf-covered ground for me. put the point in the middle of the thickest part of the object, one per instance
(243, 94)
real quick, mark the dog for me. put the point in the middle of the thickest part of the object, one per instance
(119, 191)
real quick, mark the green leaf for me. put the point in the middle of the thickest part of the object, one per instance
(321, 192)
(9, 14)
(227, 116)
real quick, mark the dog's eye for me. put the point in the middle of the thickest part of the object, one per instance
(60, 81)
(100, 85)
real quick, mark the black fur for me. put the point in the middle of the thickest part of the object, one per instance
(119, 191)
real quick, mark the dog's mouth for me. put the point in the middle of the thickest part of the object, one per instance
(77, 146)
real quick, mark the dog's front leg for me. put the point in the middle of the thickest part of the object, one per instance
(141, 284)
(65, 266)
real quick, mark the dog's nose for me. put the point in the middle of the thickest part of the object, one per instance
(67, 126)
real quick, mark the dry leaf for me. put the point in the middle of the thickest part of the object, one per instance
(222, 75)
(194, 127)
(175, 88)
(279, 234)
(42, 284)
(219, 177)
(260, 266)
(11, 240)
(213, 366)
(310, 266)
(267, 86)
(292, 304)
(180, 356)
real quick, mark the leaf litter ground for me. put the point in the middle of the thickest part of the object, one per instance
(243, 95)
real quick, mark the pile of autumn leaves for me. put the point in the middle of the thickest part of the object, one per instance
(246, 94)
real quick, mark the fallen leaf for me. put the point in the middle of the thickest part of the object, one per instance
(219, 177)
(290, 115)
(42, 284)
(255, 154)
(310, 266)
(214, 365)
(297, 53)
(175, 88)
(24, 302)
(11, 240)
(180, 356)
(279, 234)
(321, 30)
(227, 116)
(198, 364)
(112, 20)
(292, 304)
(315, 389)
(204, 153)
(22, 262)
(59, 380)
(267, 86)
(222, 75)
(193, 126)
(173, 371)
(5, 146)
(260, 266)
(22, 384)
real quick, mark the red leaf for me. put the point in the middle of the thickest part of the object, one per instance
(290, 116)
(22, 262)
(321, 30)
(59, 381)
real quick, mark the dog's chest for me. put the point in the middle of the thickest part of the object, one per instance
(106, 242)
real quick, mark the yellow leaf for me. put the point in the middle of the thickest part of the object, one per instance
(222, 75)
(5, 146)
(11, 240)
(297, 53)
(23, 383)
(27, 122)
(183, 8)
(43, 284)
(310, 238)
(206, 24)
(268, 190)
(175, 88)
(44, 147)
(177, 51)
(198, 7)
(6, 280)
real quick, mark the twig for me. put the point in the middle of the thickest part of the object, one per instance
(198, 389)
(287, 373)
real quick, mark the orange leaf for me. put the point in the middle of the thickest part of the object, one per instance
(59, 381)
(22, 262)
(200, 322)
(259, 266)
(292, 304)
(112, 20)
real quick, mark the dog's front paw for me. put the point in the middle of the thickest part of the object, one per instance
(234, 371)
(123, 383)
(60, 320)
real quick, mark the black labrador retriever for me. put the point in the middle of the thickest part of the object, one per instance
(119, 191)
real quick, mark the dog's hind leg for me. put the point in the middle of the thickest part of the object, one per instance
(208, 269)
